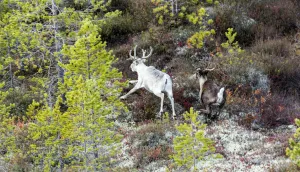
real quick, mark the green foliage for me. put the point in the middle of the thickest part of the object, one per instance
(233, 52)
(174, 12)
(199, 19)
(293, 152)
(135, 17)
(198, 39)
(6, 123)
(56, 131)
(191, 145)
(85, 128)
(232, 47)
(234, 61)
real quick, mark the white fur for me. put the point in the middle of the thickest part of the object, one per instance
(202, 80)
(153, 80)
(220, 95)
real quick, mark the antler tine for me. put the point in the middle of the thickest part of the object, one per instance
(135, 51)
(209, 69)
(130, 54)
(144, 53)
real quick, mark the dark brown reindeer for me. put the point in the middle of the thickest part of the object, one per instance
(210, 93)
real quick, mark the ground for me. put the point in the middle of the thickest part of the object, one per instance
(243, 149)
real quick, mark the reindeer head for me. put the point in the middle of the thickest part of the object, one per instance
(202, 73)
(136, 60)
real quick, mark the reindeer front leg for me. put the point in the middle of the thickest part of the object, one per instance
(206, 110)
(133, 81)
(136, 87)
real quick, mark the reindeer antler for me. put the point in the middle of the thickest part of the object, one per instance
(209, 69)
(206, 65)
(134, 54)
(144, 53)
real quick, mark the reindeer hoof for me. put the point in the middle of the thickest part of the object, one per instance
(174, 117)
(158, 116)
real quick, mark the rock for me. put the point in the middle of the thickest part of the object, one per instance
(169, 135)
(256, 161)
(244, 22)
(181, 50)
(210, 11)
(255, 126)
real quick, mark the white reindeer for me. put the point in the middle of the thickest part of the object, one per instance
(151, 79)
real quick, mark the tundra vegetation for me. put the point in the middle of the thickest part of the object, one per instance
(63, 70)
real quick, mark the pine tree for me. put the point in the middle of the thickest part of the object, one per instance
(191, 145)
(293, 151)
(84, 134)
(6, 123)
(92, 91)
(32, 36)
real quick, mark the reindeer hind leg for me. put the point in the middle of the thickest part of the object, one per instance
(171, 98)
(161, 95)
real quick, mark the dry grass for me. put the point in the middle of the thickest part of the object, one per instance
(274, 47)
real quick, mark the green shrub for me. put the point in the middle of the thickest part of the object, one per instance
(117, 29)
(293, 151)
(233, 14)
(170, 13)
(136, 16)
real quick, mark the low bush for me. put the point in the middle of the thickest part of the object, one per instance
(280, 14)
(279, 48)
(239, 100)
(284, 167)
(136, 16)
(151, 142)
(233, 14)
(277, 59)
(287, 83)
(21, 98)
(275, 110)
(144, 105)
(265, 110)
(118, 29)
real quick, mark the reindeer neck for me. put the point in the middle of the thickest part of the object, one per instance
(202, 80)
(141, 67)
